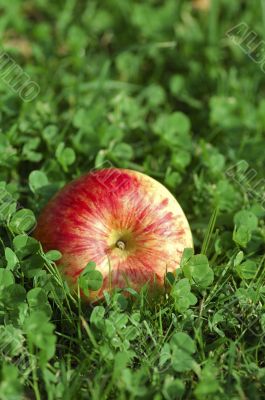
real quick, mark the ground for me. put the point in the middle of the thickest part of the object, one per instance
(173, 89)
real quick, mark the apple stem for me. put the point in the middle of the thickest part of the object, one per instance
(120, 244)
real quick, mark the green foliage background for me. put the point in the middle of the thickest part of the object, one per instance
(159, 87)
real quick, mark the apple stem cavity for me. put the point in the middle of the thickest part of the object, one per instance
(120, 244)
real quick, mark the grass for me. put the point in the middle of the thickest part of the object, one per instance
(159, 87)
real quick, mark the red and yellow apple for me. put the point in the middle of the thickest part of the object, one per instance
(129, 224)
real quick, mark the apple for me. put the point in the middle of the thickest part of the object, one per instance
(129, 224)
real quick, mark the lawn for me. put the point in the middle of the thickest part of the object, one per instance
(174, 89)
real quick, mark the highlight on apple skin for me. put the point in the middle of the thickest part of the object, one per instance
(129, 224)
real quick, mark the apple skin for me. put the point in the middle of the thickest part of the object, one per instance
(129, 224)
